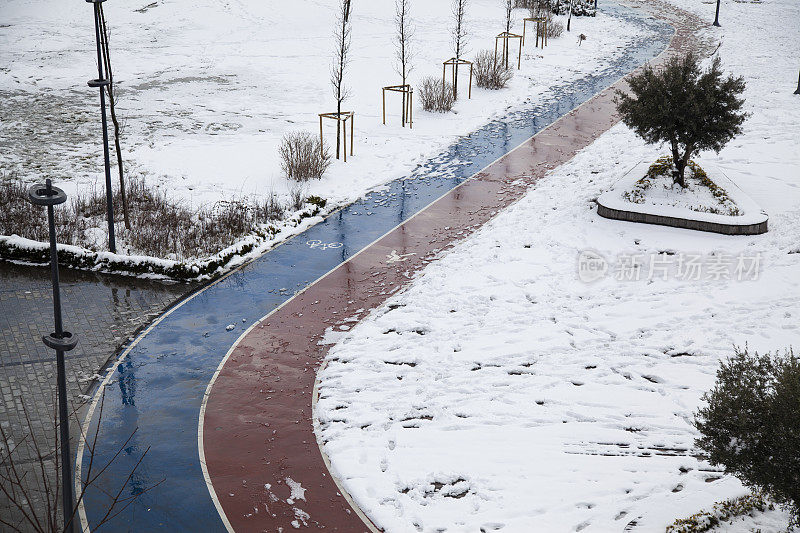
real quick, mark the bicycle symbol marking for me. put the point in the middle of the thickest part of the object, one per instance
(323, 245)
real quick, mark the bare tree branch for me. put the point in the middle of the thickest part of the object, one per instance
(458, 36)
(17, 480)
(459, 32)
(342, 35)
(404, 32)
(111, 89)
(508, 8)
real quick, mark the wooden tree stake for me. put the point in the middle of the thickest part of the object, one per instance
(505, 36)
(453, 62)
(541, 30)
(407, 105)
(340, 118)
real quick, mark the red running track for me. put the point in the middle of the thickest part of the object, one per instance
(257, 426)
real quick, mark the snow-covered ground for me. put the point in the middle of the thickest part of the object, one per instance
(658, 190)
(710, 197)
(207, 88)
(501, 392)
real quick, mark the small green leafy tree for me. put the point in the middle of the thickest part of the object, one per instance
(689, 108)
(751, 424)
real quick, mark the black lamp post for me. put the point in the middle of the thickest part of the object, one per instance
(61, 341)
(569, 18)
(716, 18)
(102, 82)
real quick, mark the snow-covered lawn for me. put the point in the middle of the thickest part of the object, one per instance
(500, 392)
(209, 87)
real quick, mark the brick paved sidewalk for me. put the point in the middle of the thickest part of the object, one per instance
(104, 311)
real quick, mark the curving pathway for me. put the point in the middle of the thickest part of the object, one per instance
(255, 464)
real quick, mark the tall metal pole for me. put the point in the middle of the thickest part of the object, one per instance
(569, 19)
(61, 341)
(102, 82)
(716, 17)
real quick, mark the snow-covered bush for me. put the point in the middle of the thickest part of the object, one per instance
(19, 217)
(558, 7)
(554, 29)
(750, 424)
(532, 4)
(162, 226)
(435, 95)
(580, 8)
(297, 197)
(302, 157)
(722, 514)
(540, 9)
(490, 73)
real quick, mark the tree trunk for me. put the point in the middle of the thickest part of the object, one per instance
(569, 18)
(455, 80)
(680, 162)
(114, 120)
(680, 174)
(338, 121)
(118, 150)
(403, 119)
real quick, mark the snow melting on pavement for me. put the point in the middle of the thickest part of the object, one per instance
(500, 392)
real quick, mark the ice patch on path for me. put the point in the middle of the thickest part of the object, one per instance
(300, 517)
(298, 492)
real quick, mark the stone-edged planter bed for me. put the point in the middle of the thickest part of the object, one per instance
(750, 219)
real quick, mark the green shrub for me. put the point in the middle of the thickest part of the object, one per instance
(722, 512)
(751, 424)
(688, 108)
(317, 201)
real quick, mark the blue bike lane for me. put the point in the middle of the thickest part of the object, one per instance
(152, 396)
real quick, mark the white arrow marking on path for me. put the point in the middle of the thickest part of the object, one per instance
(394, 257)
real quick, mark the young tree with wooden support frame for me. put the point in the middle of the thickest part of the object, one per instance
(408, 103)
(341, 118)
(454, 63)
(505, 37)
(541, 30)
(340, 91)
(403, 56)
(458, 37)
(508, 8)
